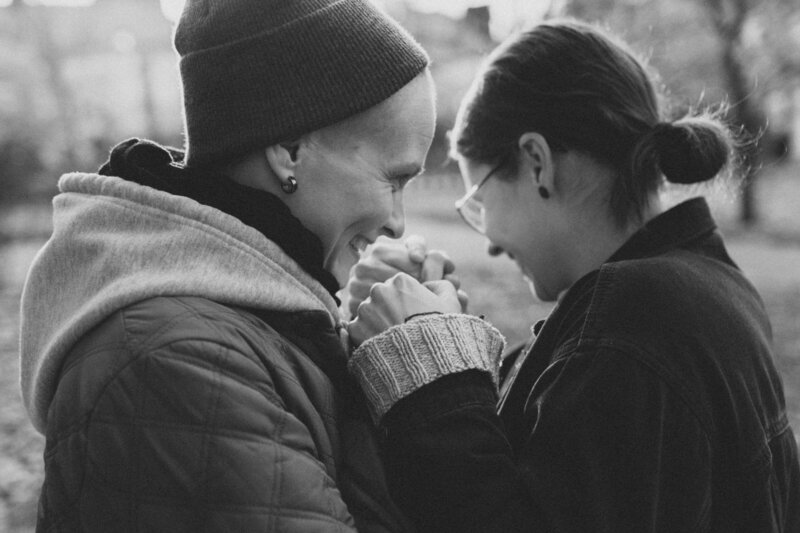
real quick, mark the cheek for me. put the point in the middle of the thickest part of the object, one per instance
(367, 213)
(340, 256)
(506, 223)
(348, 212)
(364, 215)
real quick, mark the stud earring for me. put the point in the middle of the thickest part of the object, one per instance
(543, 192)
(291, 186)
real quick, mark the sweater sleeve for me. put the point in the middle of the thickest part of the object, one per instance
(190, 436)
(392, 365)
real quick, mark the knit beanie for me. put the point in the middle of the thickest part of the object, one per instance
(259, 72)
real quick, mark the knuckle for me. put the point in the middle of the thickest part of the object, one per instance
(401, 278)
(361, 269)
(396, 277)
(362, 307)
(378, 290)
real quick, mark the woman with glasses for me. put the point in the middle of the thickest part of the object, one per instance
(648, 400)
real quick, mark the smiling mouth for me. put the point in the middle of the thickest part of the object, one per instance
(359, 244)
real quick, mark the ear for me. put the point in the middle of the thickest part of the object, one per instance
(537, 160)
(282, 159)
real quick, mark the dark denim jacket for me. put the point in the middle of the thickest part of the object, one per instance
(648, 401)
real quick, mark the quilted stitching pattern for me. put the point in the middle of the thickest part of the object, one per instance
(172, 415)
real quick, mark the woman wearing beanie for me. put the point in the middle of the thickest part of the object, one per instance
(182, 349)
(648, 400)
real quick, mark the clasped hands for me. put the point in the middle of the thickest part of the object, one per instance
(398, 280)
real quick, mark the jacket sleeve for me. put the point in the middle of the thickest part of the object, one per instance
(607, 446)
(188, 436)
(405, 357)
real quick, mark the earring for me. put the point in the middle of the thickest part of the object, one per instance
(290, 187)
(543, 192)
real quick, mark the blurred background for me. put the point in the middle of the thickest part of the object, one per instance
(78, 76)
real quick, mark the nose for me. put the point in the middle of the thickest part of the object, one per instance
(396, 225)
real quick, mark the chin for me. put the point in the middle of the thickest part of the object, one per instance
(342, 276)
(341, 270)
(537, 291)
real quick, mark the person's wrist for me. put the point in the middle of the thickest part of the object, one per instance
(405, 357)
(414, 316)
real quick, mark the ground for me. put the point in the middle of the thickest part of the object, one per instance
(768, 254)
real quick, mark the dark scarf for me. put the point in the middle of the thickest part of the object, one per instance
(159, 167)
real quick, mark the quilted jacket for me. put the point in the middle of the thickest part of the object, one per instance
(188, 376)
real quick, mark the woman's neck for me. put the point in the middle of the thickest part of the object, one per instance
(597, 235)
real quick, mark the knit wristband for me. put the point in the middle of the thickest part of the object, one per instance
(392, 365)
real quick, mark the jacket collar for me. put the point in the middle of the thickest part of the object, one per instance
(673, 228)
(677, 227)
(161, 168)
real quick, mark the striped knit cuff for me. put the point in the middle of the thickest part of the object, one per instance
(392, 365)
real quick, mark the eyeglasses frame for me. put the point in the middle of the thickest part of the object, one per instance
(461, 202)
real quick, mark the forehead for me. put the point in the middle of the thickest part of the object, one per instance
(403, 122)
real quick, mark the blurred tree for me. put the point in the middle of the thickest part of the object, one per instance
(728, 18)
(68, 92)
(457, 46)
(711, 51)
(20, 159)
(53, 61)
(478, 18)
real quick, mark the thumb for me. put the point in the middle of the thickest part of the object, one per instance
(417, 248)
(463, 299)
(436, 265)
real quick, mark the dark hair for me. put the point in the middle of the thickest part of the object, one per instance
(582, 90)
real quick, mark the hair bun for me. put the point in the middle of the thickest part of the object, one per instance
(690, 150)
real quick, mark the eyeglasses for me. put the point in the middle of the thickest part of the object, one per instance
(471, 209)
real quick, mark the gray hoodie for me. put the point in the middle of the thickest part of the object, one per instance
(115, 243)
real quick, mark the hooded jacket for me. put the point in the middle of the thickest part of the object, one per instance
(188, 375)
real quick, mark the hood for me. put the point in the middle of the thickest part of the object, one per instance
(115, 243)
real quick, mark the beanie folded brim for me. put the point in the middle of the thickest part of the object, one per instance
(277, 85)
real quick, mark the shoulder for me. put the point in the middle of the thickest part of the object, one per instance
(677, 289)
(187, 389)
(682, 314)
(182, 360)
(197, 327)
(663, 274)
(673, 311)
(185, 345)
(166, 320)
